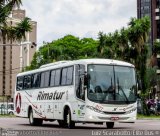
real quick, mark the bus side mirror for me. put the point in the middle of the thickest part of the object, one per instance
(86, 79)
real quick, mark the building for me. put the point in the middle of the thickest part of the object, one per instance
(16, 56)
(150, 8)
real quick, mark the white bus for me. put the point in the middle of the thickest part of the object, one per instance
(80, 91)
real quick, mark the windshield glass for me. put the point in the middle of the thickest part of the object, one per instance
(111, 84)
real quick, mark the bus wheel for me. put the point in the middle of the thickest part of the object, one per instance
(34, 121)
(110, 125)
(68, 121)
(61, 123)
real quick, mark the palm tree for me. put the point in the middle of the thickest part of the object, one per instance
(9, 32)
(138, 37)
(139, 32)
(21, 29)
(6, 7)
(102, 41)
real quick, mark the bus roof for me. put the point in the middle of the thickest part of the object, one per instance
(60, 64)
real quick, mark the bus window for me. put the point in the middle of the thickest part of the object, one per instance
(69, 76)
(45, 79)
(36, 80)
(52, 80)
(64, 76)
(19, 83)
(27, 82)
(57, 77)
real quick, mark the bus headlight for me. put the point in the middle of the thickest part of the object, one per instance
(132, 110)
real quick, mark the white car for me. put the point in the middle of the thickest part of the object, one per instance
(5, 110)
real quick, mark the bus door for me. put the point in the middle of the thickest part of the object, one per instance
(80, 91)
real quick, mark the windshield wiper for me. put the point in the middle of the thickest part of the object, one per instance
(119, 87)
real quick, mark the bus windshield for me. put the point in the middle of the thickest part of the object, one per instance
(111, 84)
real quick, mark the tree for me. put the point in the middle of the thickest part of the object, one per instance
(6, 7)
(138, 37)
(88, 48)
(67, 48)
(102, 42)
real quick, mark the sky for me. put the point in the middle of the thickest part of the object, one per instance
(81, 18)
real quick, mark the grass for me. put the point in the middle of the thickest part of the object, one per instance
(7, 115)
(140, 116)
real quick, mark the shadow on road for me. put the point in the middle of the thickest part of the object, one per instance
(56, 126)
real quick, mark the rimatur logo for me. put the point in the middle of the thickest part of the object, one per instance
(18, 103)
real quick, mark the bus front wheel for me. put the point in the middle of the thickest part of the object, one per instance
(68, 120)
(34, 121)
(110, 125)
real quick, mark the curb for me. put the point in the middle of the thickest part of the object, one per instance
(148, 119)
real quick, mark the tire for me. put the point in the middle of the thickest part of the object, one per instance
(110, 125)
(68, 120)
(34, 121)
(11, 113)
(61, 123)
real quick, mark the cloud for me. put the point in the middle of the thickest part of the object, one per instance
(83, 18)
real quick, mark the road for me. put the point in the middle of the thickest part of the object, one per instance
(81, 129)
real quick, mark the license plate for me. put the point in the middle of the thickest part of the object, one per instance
(114, 118)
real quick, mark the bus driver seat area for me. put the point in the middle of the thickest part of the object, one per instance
(98, 89)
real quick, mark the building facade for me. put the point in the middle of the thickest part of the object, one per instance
(15, 56)
(150, 8)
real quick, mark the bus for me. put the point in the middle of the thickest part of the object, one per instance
(80, 91)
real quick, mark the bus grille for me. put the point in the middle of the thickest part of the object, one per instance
(106, 112)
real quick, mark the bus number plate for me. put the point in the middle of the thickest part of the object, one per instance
(114, 118)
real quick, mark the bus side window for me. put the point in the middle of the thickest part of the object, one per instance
(36, 80)
(79, 75)
(57, 77)
(19, 83)
(45, 79)
(64, 76)
(52, 79)
(67, 76)
(27, 82)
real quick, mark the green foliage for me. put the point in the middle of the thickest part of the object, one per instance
(6, 7)
(67, 48)
(8, 31)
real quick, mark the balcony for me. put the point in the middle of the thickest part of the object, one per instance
(157, 18)
(157, 10)
(157, 40)
(158, 64)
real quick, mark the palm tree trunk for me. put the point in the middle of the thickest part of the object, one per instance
(4, 59)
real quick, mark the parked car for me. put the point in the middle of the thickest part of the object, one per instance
(7, 108)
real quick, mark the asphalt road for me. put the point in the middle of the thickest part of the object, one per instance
(52, 128)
